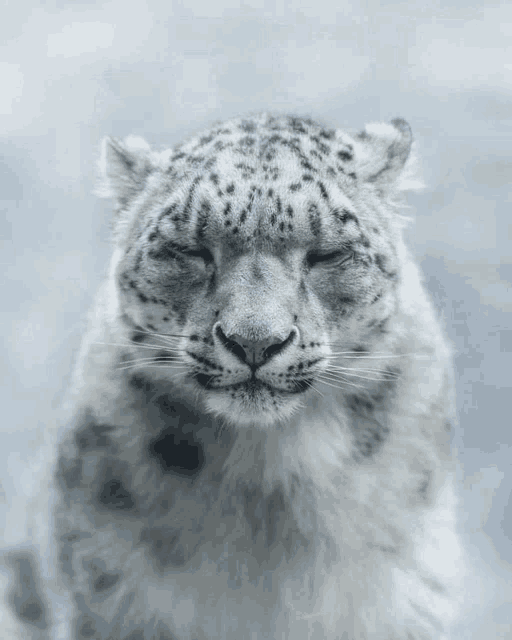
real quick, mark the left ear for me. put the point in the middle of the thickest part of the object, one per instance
(124, 168)
(382, 152)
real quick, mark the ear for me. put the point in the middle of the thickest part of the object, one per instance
(124, 168)
(382, 153)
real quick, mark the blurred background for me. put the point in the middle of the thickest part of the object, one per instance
(71, 73)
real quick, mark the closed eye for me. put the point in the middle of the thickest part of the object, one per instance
(170, 250)
(203, 253)
(334, 257)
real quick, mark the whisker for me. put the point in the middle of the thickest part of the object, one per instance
(385, 375)
(328, 375)
(148, 365)
(339, 386)
(312, 386)
(160, 335)
(360, 356)
(360, 368)
(132, 345)
(152, 359)
(370, 379)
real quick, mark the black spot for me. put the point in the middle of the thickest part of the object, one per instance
(87, 627)
(369, 434)
(275, 507)
(69, 474)
(196, 160)
(296, 124)
(307, 177)
(66, 550)
(93, 436)
(247, 141)
(185, 213)
(323, 190)
(314, 219)
(105, 581)
(114, 496)
(230, 188)
(248, 126)
(360, 349)
(169, 211)
(382, 326)
(166, 546)
(139, 382)
(26, 598)
(247, 170)
(322, 147)
(205, 140)
(328, 134)
(138, 336)
(296, 186)
(267, 515)
(177, 156)
(425, 484)
(346, 156)
(177, 453)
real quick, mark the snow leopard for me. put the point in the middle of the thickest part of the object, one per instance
(255, 443)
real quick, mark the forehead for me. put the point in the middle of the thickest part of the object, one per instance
(283, 179)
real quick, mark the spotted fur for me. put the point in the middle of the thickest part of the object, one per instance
(255, 443)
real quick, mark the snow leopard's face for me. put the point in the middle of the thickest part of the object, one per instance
(259, 261)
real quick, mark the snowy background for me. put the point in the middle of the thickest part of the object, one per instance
(72, 72)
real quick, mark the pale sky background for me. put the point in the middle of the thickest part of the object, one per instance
(71, 73)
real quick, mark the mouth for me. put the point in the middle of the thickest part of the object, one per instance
(253, 386)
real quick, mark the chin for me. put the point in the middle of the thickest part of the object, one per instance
(260, 411)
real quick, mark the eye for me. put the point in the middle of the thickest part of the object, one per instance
(203, 253)
(334, 257)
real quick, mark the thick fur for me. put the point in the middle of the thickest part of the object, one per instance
(256, 434)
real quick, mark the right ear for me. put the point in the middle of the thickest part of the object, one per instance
(124, 168)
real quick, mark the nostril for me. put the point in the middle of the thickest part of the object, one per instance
(231, 345)
(274, 348)
(236, 349)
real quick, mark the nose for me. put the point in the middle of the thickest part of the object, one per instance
(253, 353)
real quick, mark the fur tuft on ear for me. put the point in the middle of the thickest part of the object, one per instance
(384, 156)
(124, 168)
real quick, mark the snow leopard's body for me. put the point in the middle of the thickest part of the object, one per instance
(256, 443)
